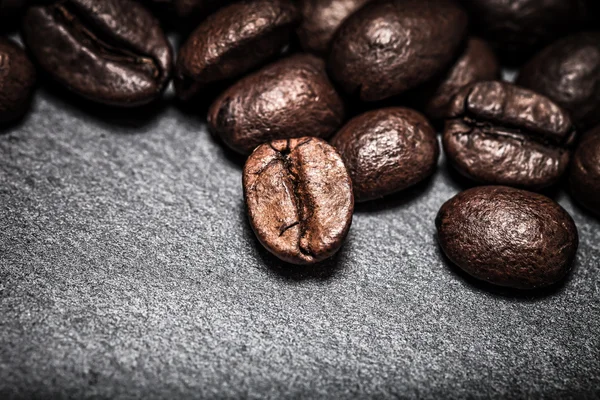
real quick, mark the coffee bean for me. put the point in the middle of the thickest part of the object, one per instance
(477, 63)
(503, 134)
(594, 12)
(390, 46)
(585, 171)
(568, 72)
(110, 51)
(299, 199)
(518, 28)
(288, 99)
(321, 18)
(194, 9)
(387, 150)
(508, 237)
(17, 79)
(11, 7)
(232, 41)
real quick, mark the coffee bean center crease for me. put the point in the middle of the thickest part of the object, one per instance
(109, 47)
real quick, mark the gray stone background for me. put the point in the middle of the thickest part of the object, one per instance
(128, 270)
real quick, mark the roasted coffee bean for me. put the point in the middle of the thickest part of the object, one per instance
(508, 237)
(503, 134)
(17, 78)
(585, 171)
(477, 63)
(193, 10)
(288, 99)
(232, 41)
(299, 199)
(11, 7)
(594, 12)
(321, 18)
(387, 150)
(390, 46)
(110, 51)
(518, 28)
(568, 72)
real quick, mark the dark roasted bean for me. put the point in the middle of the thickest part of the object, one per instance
(503, 134)
(518, 28)
(321, 18)
(290, 98)
(17, 79)
(194, 9)
(299, 199)
(508, 237)
(568, 72)
(390, 46)
(477, 63)
(8, 8)
(585, 171)
(110, 51)
(387, 150)
(232, 41)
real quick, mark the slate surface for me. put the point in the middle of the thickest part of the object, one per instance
(128, 270)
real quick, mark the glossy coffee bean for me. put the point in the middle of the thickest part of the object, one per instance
(288, 99)
(503, 134)
(299, 199)
(585, 171)
(518, 28)
(232, 41)
(390, 46)
(387, 150)
(477, 63)
(508, 237)
(321, 18)
(111, 51)
(568, 72)
(17, 79)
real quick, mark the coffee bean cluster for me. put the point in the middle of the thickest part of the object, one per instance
(337, 101)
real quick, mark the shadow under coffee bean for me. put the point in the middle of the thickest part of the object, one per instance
(112, 52)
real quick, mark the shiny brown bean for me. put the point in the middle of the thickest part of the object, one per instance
(499, 133)
(287, 99)
(321, 18)
(568, 72)
(477, 63)
(387, 150)
(232, 41)
(112, 51)
(299, 199)
(390, 46)
(508, 237)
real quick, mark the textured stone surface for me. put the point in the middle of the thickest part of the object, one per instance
(127, 269)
